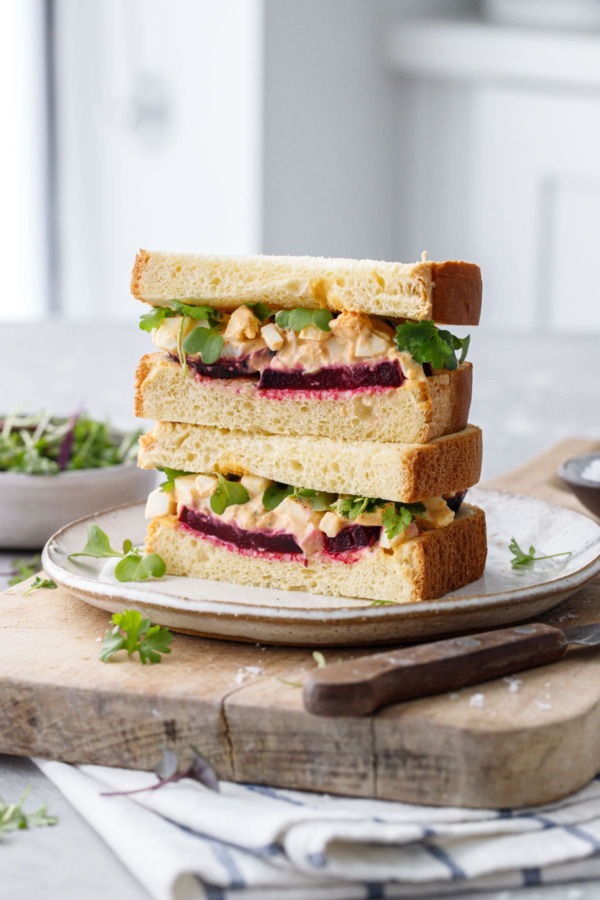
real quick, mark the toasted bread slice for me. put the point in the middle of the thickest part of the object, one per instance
(402, 472)
(416, 412)
(423, 568)
(448, 292)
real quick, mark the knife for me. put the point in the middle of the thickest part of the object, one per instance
(361, 686)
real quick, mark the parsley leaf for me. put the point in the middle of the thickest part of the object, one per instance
(260, 310)
(168, 485)
(227, 493)
(97, 545)
(297, 319)
(12, 817)
(206, 342)
(151, 320)
(523, 560)
(399, 516)
(40, 583)
(352, 507)
(428, 344)
(133, 633)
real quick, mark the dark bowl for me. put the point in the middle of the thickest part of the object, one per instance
(587, 492)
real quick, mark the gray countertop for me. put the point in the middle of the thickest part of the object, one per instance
(528, 394)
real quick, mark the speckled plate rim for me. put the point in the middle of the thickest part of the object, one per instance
(92, 589)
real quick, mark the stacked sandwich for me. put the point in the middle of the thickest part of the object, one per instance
(312, 423)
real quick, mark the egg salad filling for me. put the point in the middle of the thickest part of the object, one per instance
(277, 347)
(254, 514)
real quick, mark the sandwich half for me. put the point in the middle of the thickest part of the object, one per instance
(300, 345)
(399, 472)
(258, 532)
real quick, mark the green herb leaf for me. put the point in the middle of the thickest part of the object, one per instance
(97, 545)
(427, 344)
(40, 583)
(319, 659)
(169, 485)
(200, 313)
(525, 560)
(133, 633)
(135, 567)
(260, 310)
(45, 444)
(317, 500)
(206, 342)
(383, 603)
(13, 817)
(398, 517)
(227, 493)
(276, 494)
(297, 319)
(22, 569)
(151, 320)
(352, 507)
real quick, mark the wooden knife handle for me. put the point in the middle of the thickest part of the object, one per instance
(360, 686)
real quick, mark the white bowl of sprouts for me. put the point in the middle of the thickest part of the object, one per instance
(54, 469)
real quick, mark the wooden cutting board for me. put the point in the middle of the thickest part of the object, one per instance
(527, 740)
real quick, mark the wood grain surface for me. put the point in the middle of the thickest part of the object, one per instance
(528, 739)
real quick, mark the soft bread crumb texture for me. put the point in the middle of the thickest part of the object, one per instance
(402, 472)
(421, 569)
(414, 413)
(448, 292)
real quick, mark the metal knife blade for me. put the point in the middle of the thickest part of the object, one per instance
(361, 686)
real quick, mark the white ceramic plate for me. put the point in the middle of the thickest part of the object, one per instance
(265, 615)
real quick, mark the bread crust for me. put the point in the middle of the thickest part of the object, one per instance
(449, 292)
(457, 291)
(424, 568)
(417, 412)
(406, 473)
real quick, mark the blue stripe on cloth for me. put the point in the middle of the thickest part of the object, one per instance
(583, 835)
(375, 890)
(260, 850)
(211, 892)
(531, 877)
(271, 792)
(317, 860)
(236, 879)
(442, 856)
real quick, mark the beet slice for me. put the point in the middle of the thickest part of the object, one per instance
(353, 538)
(349, 540)
(341, 378)
(272, 541)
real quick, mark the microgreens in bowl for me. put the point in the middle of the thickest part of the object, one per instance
(45, 444)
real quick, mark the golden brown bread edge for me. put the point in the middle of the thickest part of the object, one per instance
(423, 568)
(413, 413)
(405, 473)
(456, 290)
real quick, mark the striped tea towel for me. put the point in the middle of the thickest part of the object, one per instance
(251, 842)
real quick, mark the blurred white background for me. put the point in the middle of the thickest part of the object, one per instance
(334, 127)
